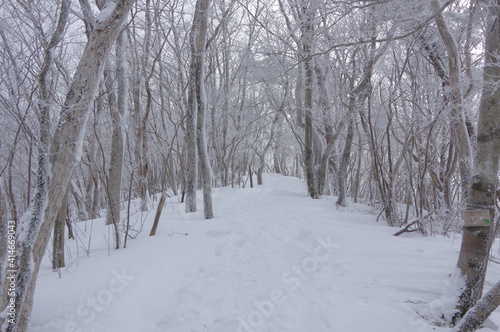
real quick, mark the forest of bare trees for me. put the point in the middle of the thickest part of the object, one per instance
(376, 102)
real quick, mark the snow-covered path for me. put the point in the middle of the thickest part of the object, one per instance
(272, 260)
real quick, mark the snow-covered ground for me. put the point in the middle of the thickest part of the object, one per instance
(272, 260)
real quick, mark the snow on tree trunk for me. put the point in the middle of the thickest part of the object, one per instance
(344, 163)
(143, 146)
(478, 314)
(262, 156)
(28, 226)
(474, 252)
(459, 132)
(37, 223)
(203, 7)
(306, 28)
(119, 113)
(346, 153)
(196, 143)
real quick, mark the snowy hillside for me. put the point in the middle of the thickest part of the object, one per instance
(272, 260)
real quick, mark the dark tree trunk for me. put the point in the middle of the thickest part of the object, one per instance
(58, 240)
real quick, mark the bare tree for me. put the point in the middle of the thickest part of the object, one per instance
(478, 217)
(459, 129)
(119, 113)
(37, 223)
(195, 116)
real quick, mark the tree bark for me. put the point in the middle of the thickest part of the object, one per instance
(58, 239)
(478, 314)
(474, 251)
(37, 223)
(119, 112)
(10, 323)
(346, 153)
(344, 163)
(307, 29)
(262, 156)
(195, 116)
(459, 131)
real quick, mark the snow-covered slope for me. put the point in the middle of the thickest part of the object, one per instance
(272, 260)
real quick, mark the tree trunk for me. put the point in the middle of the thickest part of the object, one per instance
(276, 161)
(459, 131)
(344, 163)
(3, 204)
(58, 239)
(306, 28)
(478, 314)
(37, 223)
(357, 178)
(262, 156)
(250, 174)
(473, 258)
(119, 112)
(196, 143)
(10, 323)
